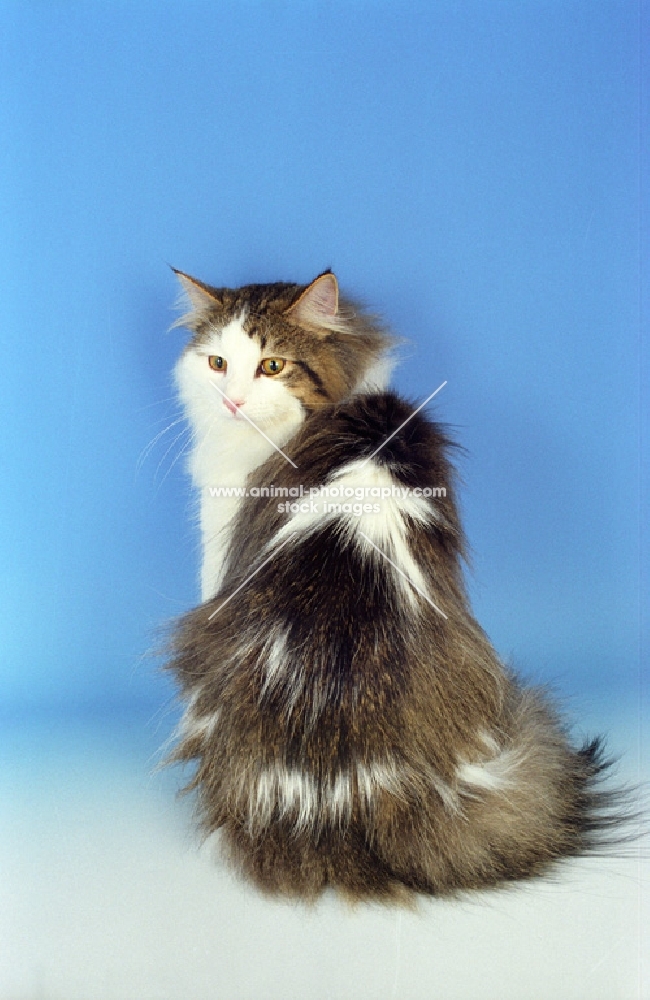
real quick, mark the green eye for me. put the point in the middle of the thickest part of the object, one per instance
(217, 363)
(271, 366)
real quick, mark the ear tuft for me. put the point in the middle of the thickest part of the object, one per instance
(319, 303)
(200, 297)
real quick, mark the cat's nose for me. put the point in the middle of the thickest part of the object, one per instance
(233, 404)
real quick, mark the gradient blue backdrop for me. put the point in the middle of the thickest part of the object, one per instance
(472, 170)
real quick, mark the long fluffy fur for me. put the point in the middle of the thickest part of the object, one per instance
(349, 729)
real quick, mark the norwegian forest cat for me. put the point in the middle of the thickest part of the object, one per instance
(351, 725)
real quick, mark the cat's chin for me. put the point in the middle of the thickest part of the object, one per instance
(244, 416)
(277, 427)
(269, 421)
(230, 415)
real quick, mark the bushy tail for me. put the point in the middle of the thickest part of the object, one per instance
(605, 818)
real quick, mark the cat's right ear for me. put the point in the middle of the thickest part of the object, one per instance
(199, 297)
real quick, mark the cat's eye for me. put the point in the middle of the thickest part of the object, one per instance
(272, 366)
(217, 363)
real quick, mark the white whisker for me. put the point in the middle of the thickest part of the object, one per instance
(167, 416)
(157, 402)
(144, 454)
(180, 453)
(185, 430)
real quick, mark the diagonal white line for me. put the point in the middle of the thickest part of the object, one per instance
(251, 575)
(407, 578)
(253, 424)
(391, 436)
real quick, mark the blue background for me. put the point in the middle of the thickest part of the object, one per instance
(473, 171)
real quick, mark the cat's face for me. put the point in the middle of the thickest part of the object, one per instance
(272, 353)
(227, 372)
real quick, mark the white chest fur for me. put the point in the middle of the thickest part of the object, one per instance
(227, 445)
(218, 469)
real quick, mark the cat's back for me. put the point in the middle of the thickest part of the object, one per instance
(335, 637)
(368, 466)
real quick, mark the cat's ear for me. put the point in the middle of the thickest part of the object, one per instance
(200, 297)
(319, 303)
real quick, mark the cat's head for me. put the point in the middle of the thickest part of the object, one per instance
(275, 352)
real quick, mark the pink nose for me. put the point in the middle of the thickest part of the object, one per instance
(233, 404)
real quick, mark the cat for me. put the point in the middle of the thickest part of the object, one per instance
(351, 725)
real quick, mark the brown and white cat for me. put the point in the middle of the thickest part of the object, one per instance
(351, 724)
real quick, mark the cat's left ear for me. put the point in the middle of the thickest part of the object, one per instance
(319, 303)
(201, 297)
